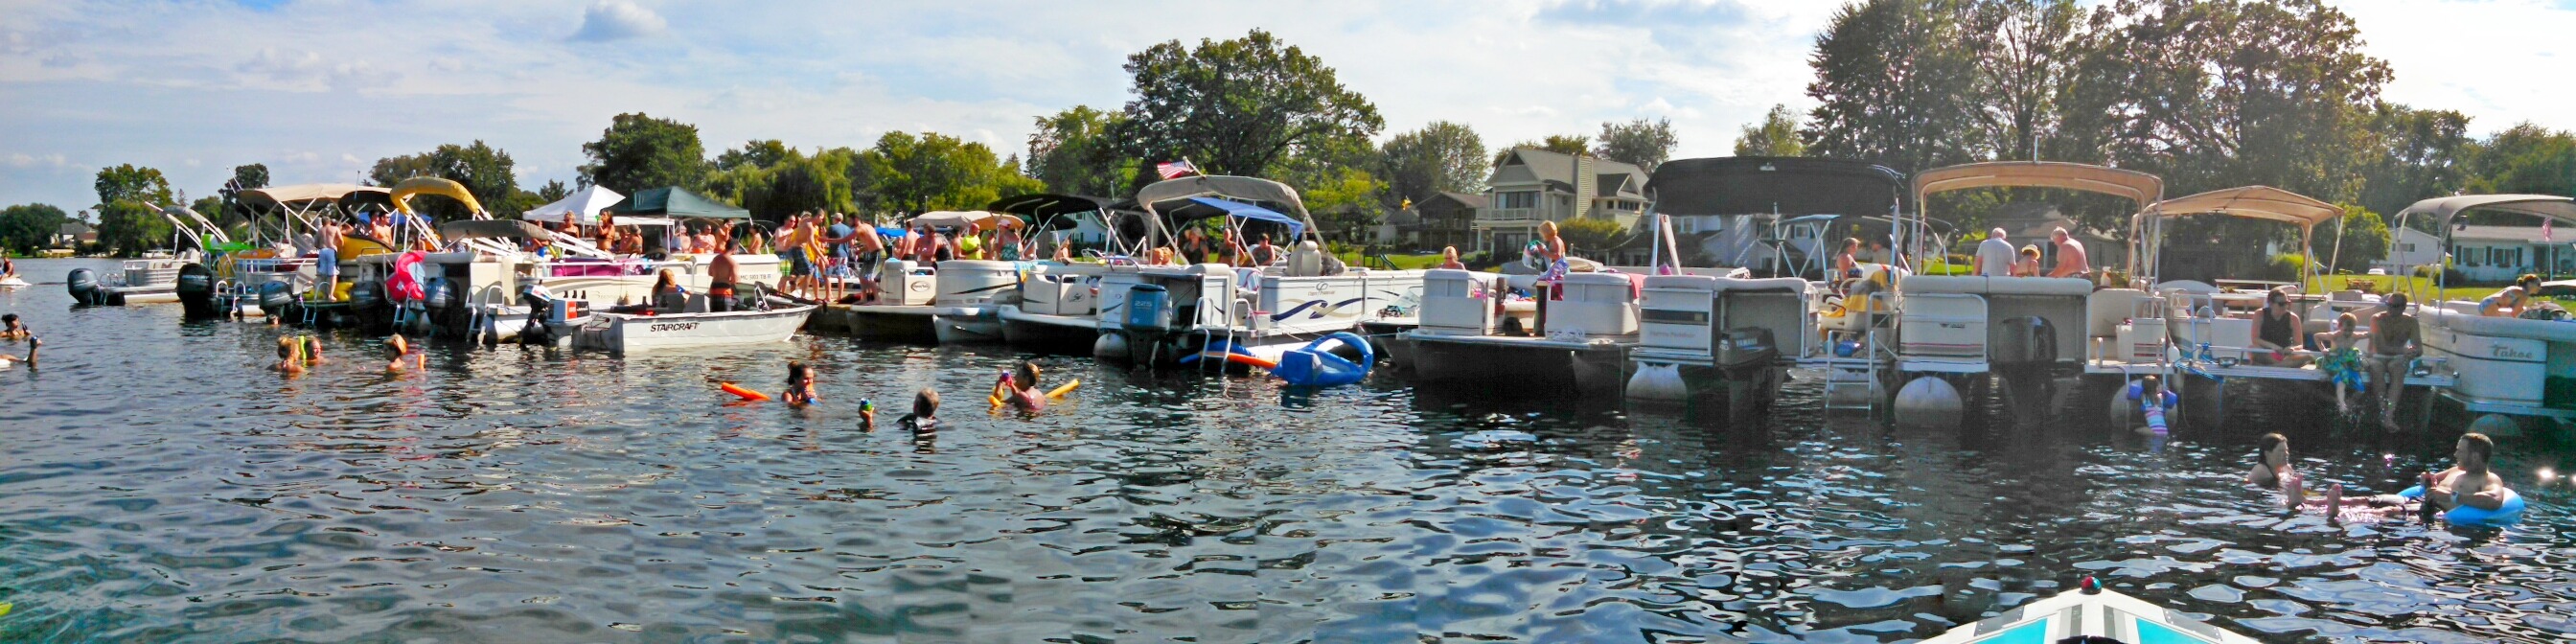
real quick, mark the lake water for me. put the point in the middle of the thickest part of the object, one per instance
(161, 485)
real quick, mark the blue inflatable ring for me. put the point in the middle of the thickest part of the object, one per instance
(2508, 514)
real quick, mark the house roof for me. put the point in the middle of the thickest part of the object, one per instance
(73, 228)
(2529, 234)
(1556, 170)
(1478, 202)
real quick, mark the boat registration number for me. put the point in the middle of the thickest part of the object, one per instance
(672, 326)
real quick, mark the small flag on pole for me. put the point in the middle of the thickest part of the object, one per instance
(2544, 230)
(1175, 169)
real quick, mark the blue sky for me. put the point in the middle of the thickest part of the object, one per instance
(319, 89)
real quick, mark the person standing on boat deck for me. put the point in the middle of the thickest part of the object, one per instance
(1995, 256)
(326, 258)
(2507, 303)
(2071, 261)
(721, 273)
(870, 249)
(837, 239)
(2277, 331)
(2393, 348)
(2028, 265)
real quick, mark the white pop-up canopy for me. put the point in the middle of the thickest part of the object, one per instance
(583, 207)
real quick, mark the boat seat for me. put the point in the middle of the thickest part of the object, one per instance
(1746, 285)
(697, 304)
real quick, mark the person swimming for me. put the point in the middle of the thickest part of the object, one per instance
(313, 350)
(2155, 401)
(924, 419)
(12, 329)
(800, 385)
(30, 360)
(289, 360)
(867, 415)
(402, 350)
(1020, 388)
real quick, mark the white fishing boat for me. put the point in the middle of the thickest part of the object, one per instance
(633, 332)
(2089, 611)
(1173, 312)
(2521, 368)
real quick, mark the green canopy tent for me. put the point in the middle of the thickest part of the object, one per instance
(677, 204)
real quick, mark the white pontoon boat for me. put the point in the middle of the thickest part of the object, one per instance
(2517, 367)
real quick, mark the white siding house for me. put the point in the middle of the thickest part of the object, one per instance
(1532, 185)
(2500, 253)
(2411, 248)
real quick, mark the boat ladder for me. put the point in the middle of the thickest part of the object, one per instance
(1840, 372)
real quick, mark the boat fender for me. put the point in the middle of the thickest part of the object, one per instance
(2504, 515)
(745, 394)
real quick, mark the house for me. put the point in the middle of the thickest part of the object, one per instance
(2409, 249)
(1447, 219)
(73, 234)
(2501, 253)
(1530, 186)
(1396, 228)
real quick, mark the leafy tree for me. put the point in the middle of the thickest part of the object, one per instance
(485, 171)
(245, 177)
(129, 215)
(2418, 154)
(2526, 159)
(29, 228)
(1237, 106)
(1895, 85)
(639, 152)
(2365, 238)
(1775, 136)
(553, 191)
(915, 174)
(2025, 54)
(1557, 143)
(1072, 152)
(1640, 143)
(1441, 157)
(758, 153)
(393, 169)
(1591, 236)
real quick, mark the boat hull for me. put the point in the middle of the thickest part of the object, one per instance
(894, 323)
(623, 333)
(973, 326)
(1049, 333)
(1518, 364)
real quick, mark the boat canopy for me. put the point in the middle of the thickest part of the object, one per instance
(2443, 209)
(951, 219)
(580, 207)
(416, 186)
(2254, 202)
(2135, 186)
(1788, 186)
(301, 194)
(1043, 206)
(492, 229)
(675, 202)
(1240, 210)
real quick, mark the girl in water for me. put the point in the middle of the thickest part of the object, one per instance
(800, 385)
(1020, 389)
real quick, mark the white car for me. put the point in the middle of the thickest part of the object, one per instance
(2378, 271)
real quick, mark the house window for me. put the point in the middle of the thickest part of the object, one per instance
(1686, 225)
(2406, 248)
(1526, 199)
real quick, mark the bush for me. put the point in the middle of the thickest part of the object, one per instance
(2284, 267)
(2425, 271)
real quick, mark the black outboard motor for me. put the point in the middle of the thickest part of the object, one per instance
(197, 292)
(84, 287)
(539, 306)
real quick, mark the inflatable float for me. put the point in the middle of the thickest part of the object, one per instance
(1314, 365)
(1056, 394)
(745, 394)
(2504, 515)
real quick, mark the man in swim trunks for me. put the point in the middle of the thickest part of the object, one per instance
(326, 258)
(721, 272)
(2469, 483)
(2070, 256)
(2393, 348)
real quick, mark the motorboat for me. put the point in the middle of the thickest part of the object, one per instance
(693, 326)
(137, 281)
(2089, 614)
(1953, 331)
(2516, 367)
(1170, 312)
(929, 302)
(1737, 335)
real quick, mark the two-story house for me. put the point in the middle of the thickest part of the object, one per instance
(1447, 219)
(1531, 185)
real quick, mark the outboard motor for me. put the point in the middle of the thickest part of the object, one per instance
(276, 299)
(539, 306)
(197, 292)
(84, 287)
(1147, 305)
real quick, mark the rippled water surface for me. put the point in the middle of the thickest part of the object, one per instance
(160, 485)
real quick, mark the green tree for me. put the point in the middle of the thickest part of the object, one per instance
(1441, 157)
(393, 169)
(129, 210)
(553, 191)
(1775, 136)
(790, 184)
(245, 178)
(1591, 236)
(2526, 159)
(1895, 85)
(1072, 152)
(639, 152)
(1641, 143)
(2364, 235)
(757, 153)
(1557, 143)
(1238, 106)
(485, 171)
(2418, 154)
(911, 174)
(2025, 54)
(29, 228)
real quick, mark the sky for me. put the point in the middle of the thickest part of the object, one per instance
(320, 89)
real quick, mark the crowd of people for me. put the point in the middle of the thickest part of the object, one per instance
(1996, 257)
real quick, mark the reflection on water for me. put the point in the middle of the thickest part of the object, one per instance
(163, 486)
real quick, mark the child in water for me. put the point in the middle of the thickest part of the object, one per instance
(1021, 389)
(800, 385)
(924, 418)
(313, 350)
(402, 351)
(2155, 401)
(12, 329)
(288, 362)
(867, 415)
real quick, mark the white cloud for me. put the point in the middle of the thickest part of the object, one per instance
(2499, 61)
(21, 159)
(618, 20)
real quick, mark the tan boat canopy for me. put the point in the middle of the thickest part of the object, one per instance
(2442, 209)
(951, 219)
(2254, 202)
(415, 186)
(2135, 186)
(279, 195)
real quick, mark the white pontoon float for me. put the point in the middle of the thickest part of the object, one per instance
(2519, 367)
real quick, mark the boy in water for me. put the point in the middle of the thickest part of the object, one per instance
(287, 361)
(1020, 389)
(402, 350)
(924, 419)
(800, 385)
(867, 415)
(313, 350)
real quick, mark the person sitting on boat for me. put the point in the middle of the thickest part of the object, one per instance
(12, 329)
(1264, 254)
(1449, 259)
(2155, 402)
(8, 269)
(1063, 250)
(1995, 256)
(2028, 265)
(2276, 333)
(668, 296)
(800, 385)
(2507, 303)
(722, 272)
(2341, 358)
(288, 362)
(2393, 349)
(1020, 389)
(2071, 261)
(402, 353)
(1847, 262)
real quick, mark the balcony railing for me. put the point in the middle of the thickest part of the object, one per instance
(1508, 214)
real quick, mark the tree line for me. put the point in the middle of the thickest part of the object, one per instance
(2206, 93)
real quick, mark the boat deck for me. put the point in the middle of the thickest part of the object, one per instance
(2259, 372)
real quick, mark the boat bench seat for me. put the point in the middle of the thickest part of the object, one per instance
(2472, 323)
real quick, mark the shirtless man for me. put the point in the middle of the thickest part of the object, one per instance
(721, 273)
(2071, 261)
(326, 260)
(867, 249)
(2469, 483)
(2393, 348)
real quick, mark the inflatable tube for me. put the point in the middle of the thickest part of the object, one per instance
(1066, 389)
(746, 394)
(2504, 515)
(1316, 365)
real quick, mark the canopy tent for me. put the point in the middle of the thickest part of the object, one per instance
(1240, 210)
(1788, 186)
(2253, 202)
(1049, 211)
(417, 186)
(580, 207)
(677, 203)
(2133, 185)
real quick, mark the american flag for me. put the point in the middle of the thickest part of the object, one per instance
(1173, 169)
(2544, 229)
